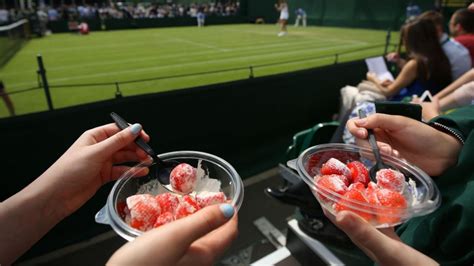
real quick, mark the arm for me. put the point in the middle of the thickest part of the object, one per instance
(411, 139)
(198, 239)
(405, 78)
(65, 186)
(383, 247)
(467, 77)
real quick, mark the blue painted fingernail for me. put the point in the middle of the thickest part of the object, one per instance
(227, 210)
(136, 128)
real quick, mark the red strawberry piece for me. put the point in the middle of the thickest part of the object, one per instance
(335, 167)
(187, 206)
(393, 200)
(357, 186)
(164, 218)
(144, 210)
(359, 172)
(390, 179)
(210, 198)
(354, 200)
(183, 178)
(122, 209)
(331, 183)
(168, 202)
(371, 194)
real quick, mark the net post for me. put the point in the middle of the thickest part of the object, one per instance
(44, 80)
(118, 93)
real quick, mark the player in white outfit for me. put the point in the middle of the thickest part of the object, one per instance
(282, 6)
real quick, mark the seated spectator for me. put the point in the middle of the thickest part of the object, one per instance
(458, 55)
(461, 27)
(428, 67)
(457, 94)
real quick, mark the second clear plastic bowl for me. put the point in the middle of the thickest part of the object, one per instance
(422, 195)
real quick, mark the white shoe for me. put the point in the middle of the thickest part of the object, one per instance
(283, 33)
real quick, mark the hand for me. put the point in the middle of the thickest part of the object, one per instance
(382, 246)
(198, 239)
(90, 162)
(386, 83)
(410, 139)
(393, 57)
(371, 76)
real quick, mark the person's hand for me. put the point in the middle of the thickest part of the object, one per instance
(386, 83)
(91, 162)
(420, 144)
(382, 246)
(198, 239)
(393, 57)
(371, 76)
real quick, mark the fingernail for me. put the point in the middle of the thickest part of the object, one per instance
(136, 128)
(361, 132)
(227, 210)
(385, 149)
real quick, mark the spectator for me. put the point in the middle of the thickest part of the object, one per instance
(96, 156)
(300, 16)
(443, 149)
(83, 28)
(457, 54)
(200, 16)
(461, 26)
(457, 94)
(6, 99)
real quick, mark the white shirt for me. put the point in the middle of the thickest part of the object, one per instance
(458, 56)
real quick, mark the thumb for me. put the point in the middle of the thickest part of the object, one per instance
(119, 141)
(202, 222)
(365, 236)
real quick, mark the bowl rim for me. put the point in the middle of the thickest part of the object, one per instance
(432, 202)
(130, 233)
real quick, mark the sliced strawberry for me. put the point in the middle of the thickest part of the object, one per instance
(187, 206)
(332, 183)
(164, 218)
(168, 202)
(391, 199)
(349, 201)
(210, 198)
(335, 167)
(390, 179)
(359, 172)
(357, 186)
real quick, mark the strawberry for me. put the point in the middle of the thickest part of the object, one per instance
(330, 183)
(349, 201)
(210, 198)
(359, 172)
(183, 178)
(168, 202)
(395, 201)
(164, 218)
(335, 167)
(357, 186)
(390, 179)
(187, 206)
(144, 214)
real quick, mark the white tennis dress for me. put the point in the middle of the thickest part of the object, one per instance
(284, 14)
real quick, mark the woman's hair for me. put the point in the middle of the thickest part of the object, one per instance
(422, 44)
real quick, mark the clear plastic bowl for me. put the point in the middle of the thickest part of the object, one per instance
(128, 185)
(422, 195)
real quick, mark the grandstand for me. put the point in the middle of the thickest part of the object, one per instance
(232, 88)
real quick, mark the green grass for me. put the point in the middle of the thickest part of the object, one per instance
(119, 56)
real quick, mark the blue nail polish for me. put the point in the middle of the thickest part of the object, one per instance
(227, 210)
(136, 128)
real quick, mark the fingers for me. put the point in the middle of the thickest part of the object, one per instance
(382, 121)
(206, 250)
(118, 141)
(118, 171)
(364, 235)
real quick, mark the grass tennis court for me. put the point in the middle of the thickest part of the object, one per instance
(120, 56)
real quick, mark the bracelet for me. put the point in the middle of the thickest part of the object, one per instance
(447, 130)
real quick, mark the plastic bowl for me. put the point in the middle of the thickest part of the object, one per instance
(421, 193)
(128, 184)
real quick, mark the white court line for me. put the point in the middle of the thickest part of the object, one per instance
(180, 65)
(198, 44)
(255, 47)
